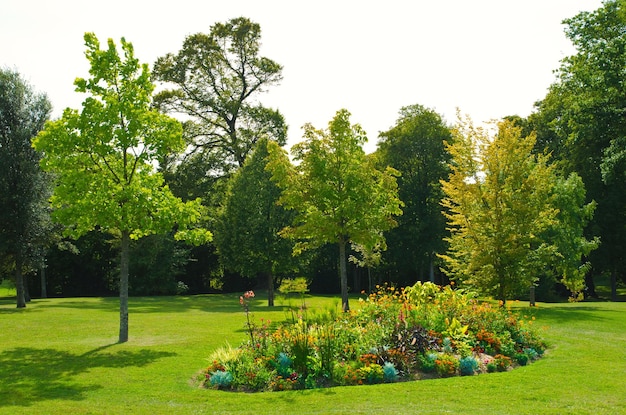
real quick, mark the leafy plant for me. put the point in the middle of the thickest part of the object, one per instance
(446, 365)
(468, 365)
(390, 373)
(221, 379)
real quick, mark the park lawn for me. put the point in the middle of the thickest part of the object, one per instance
(60, 356)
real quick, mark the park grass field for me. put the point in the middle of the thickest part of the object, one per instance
(60, 356)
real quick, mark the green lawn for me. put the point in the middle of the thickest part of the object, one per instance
(59, 356)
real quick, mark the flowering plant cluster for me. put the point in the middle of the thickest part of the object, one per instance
(396, 334)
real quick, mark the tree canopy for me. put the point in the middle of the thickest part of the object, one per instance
(338, 194)
(502, 211)
(581, 121)
(214, 81)
(104, 158)
(246, 232)
(415, 146)
(24, 187)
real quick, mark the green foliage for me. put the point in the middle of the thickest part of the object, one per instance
(581, 121)
(103, 158)
(24, 188)
(446, 364)
(338, 194)
(214, 80)
(503, 210)
(390, 373)
(415, 147)
(246, 231)
(221, 379)
(468, 366)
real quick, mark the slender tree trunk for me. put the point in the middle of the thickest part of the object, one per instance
(125, 249)
(613, 286)
(343, 275)
(19, 283)
(270, 289)
(26, 290)
(42, 273)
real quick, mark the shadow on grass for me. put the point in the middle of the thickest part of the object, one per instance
(574, 313)
(29, 375)
(213, 303)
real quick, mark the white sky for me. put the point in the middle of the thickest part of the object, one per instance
(489, 58)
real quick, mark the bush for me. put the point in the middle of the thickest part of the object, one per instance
(390, 373)
(221, 379)
(468, 366)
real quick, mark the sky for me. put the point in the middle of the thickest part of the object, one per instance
(485, 58)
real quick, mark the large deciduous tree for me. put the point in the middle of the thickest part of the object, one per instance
(246, 232)
(502, 203)
(104, 158)
(338, 194)
(415, 147)
(214, 81)
(582, 120)
(24, 187)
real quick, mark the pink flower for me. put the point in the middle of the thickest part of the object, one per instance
(249, 294)
(240, 300)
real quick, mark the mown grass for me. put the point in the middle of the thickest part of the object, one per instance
(60, 356)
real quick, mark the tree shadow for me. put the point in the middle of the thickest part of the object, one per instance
(29, 375)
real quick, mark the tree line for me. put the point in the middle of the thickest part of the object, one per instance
(192, 185)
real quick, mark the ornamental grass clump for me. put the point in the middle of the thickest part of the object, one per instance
(422, 331)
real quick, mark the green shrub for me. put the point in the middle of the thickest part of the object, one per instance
(446, 365)
(221, 379)
(390, 373)
(372, 373)
(468, 366)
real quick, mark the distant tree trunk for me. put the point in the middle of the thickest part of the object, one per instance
(343, 275)
(42, 273)
(270, 289)
(125, 249)
(613, 286)
(26, 290)
(19, 283)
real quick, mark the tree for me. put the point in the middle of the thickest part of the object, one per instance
(215, 81)
(582, 121)
(24, 187)
(338, 194)
(502, 208)
(415, 147)
(104, 157)
(246, 232)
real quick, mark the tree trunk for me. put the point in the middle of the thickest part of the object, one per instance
(26, 290)
(270, 289)
(343, 275)
(125, 249)
(42, 273)
(613, 286)
(19, 283)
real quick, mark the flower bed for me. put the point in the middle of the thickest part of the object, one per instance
(422, 331)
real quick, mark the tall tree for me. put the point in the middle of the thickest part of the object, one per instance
(215, 82)
(338, 194)
(502, 210)
(415, 147)
(582, 121)
(24, 187)
(246, 232)
(104, 159)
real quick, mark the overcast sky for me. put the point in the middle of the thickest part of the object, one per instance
(488, 58)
